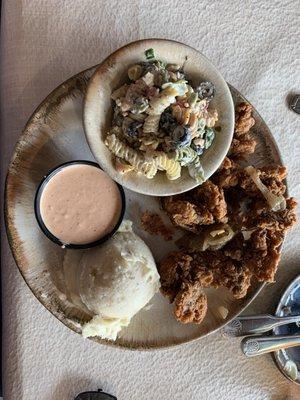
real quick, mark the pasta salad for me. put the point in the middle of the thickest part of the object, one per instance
(160, 121)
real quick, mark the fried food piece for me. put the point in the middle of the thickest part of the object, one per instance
(235, 248)
(276, 221)
(227, 164)
(205, 205)
(254, 251)
(243, 143)
(242, 147)
(261, 251)
(273, 171)
(230, 174)
(226, 272)
(244, 120)
(173, 270)
(190, 304)
(185, 214)
(184, 288)
(207, 269)
(262, 254)
(209, 196)
(202, 275)
(271, 177)
(227, 175)
(265, 255)
(153, 224)
(234, 277)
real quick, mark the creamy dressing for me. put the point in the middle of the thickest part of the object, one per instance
(80, 204)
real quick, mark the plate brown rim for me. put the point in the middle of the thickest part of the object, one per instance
(80, 79)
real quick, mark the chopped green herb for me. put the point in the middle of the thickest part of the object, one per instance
(192, 100)
(160, 64)
(209, 137)
(201, 127)
(149, 54)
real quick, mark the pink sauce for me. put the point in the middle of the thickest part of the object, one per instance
(80, 204)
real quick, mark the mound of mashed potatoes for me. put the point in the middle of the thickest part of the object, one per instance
(111, 282)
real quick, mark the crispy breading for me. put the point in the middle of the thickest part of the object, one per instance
(271, 177)
(226, 272)
(227, 175)
(273, 220)
(208, 269)
(243, 120)
(232, 197)
(262, 255)
(190, 304)
(253, 253)
(202, 206)
(173, 270)
(235, 248)
(243, 142)
(209, 196)
(242, 147)
(185, 214)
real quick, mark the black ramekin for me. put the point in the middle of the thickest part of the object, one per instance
(40, 221)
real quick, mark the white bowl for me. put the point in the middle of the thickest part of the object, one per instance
(112, 73)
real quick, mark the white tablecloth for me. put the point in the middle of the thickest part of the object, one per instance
(255, 44)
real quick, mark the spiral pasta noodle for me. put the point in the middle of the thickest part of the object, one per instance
(196, 170)
(151, 123)
(172, 167)
(185, 156)
(121, 150)
(165, 99)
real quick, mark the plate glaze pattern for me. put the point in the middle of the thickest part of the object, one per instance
(53, 135)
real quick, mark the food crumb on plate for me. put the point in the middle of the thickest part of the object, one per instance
(153, 224)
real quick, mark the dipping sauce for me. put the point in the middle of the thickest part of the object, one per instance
(80, 204)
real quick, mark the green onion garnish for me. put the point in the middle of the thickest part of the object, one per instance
(149, 54)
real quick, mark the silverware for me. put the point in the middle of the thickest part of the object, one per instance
(295, 103)
(288, 360)
(256, 324)
(255, 346)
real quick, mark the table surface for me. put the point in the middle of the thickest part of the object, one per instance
(255, 45)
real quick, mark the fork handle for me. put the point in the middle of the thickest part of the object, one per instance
(257, 324)
(256, 346)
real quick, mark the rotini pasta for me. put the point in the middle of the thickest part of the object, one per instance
(165, 99)
(151, 123)
(196, 170)
(149, 143)
(160, 121)
(185, 156)
(172, 167)
(121, 150)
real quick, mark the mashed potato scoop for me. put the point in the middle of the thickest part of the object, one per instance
(117, 279)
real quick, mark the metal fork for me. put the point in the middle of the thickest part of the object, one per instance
(257, 324)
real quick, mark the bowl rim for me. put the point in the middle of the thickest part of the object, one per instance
(226, 89)
(39, 218)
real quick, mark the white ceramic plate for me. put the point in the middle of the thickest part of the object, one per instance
(112, 73)
(53, 135)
